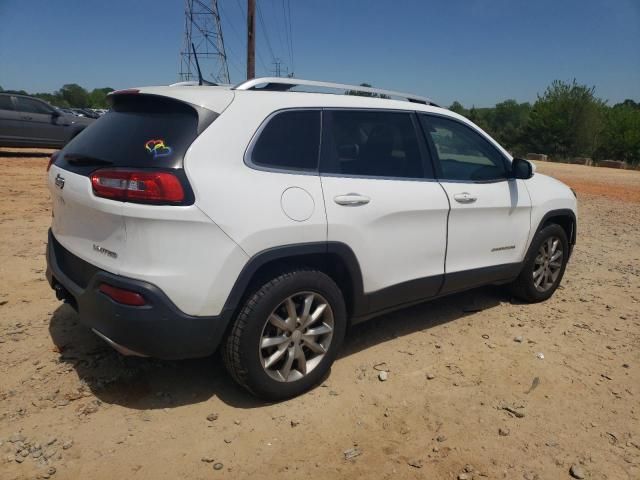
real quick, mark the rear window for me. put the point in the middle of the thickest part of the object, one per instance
(372, 144)
(139, 131)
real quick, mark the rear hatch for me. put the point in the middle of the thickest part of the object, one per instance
(132, 155)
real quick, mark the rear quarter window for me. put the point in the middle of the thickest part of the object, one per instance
(289, 140)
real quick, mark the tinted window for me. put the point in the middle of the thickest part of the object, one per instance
(5, 102)
(138, 131)
(32, 106)
(371, 143)
(463, 153)
(290, 140)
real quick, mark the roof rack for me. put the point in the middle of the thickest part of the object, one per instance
(280, 84)
(195, 83)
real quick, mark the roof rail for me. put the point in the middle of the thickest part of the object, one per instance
(280, 84)
(188, 83)
(194, 83)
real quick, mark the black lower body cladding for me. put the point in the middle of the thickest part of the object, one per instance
(157, 329)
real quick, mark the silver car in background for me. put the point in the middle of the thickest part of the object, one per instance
(31, 122)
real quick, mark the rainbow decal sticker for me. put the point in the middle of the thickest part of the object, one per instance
(157, 148)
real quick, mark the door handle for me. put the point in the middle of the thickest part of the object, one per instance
(351, 200)
(26, 117)
(464, 197)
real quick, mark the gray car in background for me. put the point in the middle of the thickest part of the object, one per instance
(31, 122)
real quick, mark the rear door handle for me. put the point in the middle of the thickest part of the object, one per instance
(351, 200)
(26, 117)
(464, 197)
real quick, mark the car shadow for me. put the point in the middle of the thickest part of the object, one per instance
(420, 317)
(23, 154)
(147, 384)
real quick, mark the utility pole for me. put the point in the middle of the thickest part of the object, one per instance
(251, 39)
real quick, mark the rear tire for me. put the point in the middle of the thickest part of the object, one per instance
(287, 335)
(544, 265)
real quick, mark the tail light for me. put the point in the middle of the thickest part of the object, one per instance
(52, 159)
(120, 295)
(137, 186)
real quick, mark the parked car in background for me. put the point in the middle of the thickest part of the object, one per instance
(31, 122)
(89, 113)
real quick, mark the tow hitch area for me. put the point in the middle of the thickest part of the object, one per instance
(61, 292)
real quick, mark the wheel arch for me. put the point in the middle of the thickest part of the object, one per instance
(335, 259)
(566, 218)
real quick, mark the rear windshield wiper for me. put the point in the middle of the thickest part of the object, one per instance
(85, 160)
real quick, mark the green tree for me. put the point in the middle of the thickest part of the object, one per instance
(566, 121)
(16, 92)
(481, 117)
(457, 107)
(53, 99)
(629, 103)
(620, 138)
(74, 95)
(98, 97)
(507, 122)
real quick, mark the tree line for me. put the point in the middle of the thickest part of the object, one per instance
(72, 95)
(567, 121)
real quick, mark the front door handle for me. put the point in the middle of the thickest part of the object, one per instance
(464, 197)
(351, 200)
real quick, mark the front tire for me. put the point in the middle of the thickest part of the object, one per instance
(287, 335)
(544, 265)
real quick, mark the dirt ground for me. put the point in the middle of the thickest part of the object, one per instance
(464, 398)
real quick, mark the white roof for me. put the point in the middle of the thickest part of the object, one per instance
(218, 97)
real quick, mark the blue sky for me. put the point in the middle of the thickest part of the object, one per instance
(475, 51)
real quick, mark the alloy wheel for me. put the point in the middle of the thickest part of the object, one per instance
(296, 336)
(548, 264)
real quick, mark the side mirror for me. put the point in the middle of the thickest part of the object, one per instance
(56, 114)
(521, 169)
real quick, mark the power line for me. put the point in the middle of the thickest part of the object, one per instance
(239, 36)
(286, 6)
(266, 33)
(291, 34)
(242, 10)
(278, 29)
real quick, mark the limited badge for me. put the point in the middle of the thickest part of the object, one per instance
(157, 148)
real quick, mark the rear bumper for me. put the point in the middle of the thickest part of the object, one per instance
(158, 329)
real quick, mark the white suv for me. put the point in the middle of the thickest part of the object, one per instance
(266, 220)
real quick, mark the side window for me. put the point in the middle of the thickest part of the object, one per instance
(5, 102)
(31, 106)
(463, 154)
(371, 143)
(290, 140)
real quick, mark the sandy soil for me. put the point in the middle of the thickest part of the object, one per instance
(454, 371)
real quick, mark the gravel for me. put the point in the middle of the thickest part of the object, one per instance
(577, 471)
